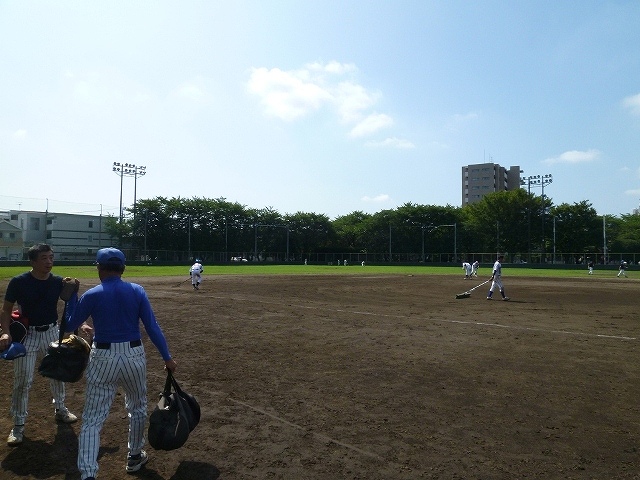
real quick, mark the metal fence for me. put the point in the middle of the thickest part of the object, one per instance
(352, 258)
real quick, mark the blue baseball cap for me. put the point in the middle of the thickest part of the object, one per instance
(110, 256)
(15, 350)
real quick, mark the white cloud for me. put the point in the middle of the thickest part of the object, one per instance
(393, 142)
(291, 95)
(371, 124)
(573, 157)
(20, 134)
(287, 95)
(333, 67)
(352, 100)
(634, 193)
(383, 197)
(193, 91)
(632, 103)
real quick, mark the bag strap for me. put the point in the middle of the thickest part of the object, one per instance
(167, 384)
(176, 387)
(63, 324)
(172, 382)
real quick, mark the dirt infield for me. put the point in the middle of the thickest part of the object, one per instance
(377, 377)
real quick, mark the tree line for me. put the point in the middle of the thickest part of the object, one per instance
(514, 221)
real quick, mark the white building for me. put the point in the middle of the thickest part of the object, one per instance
(72, 237)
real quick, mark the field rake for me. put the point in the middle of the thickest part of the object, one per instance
(467, 294)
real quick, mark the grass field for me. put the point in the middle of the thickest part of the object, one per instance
(89, 271)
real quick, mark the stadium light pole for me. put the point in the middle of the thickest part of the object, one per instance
(527, 181)
(545, 180)
(129, 170)
(604, 240)
(226, 240)
(455, 238)
(119, 170)
(537, 181)
(138, 171)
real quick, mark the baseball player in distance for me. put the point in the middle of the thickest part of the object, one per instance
(117, 358)
(496, 279)
(466, 266)
(621, 269)
(474, 268)
(196, 274)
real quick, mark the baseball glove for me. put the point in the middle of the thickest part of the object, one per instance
(76, 342)
(69, 287)
(66, 360)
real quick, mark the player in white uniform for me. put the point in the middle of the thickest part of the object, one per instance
(622, 268)
(474, 268)
(496, 279)
(466, 266)
(196, 274)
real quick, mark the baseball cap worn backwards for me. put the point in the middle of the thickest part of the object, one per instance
(110, 256)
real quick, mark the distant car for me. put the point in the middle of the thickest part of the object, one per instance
(239, 259)
(3, 258)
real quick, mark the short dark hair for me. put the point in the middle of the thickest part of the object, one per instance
(111, 267)
(37, 249)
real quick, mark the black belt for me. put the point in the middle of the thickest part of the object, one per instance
(107, 345)
(43, 328)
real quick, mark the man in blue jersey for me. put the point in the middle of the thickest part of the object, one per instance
(117, 358)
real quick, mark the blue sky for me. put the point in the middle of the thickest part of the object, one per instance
(316, 106)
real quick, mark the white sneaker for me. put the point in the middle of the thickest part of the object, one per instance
(506, 299)
(16, 435)
(135, 462)
(65, 416)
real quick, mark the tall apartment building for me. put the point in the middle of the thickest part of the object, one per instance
(480, 179)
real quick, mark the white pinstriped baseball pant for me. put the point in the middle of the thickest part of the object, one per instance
(119, 366)
(35, 343)
(497, 282)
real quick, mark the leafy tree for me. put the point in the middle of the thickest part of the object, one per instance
(512, 222)
(578, 229)
(625, 234)
(117, 230)
(351, 231)
(309, 232)
(501, 221)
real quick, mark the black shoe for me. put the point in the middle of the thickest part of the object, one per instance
(135, 462)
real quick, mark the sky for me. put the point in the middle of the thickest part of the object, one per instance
(316, 106)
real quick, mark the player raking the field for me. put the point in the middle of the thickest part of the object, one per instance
(496, 279)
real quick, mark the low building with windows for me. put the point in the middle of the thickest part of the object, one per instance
(72, 237)
(10, 241)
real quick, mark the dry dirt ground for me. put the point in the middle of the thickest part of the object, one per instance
(377, 377)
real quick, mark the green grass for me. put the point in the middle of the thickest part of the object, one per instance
(89, 271)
